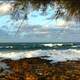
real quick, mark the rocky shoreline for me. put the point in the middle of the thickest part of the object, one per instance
(38, 69)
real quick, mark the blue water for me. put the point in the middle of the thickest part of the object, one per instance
(51, 51)
(35, 46)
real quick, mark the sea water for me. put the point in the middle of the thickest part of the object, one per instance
(51, 51)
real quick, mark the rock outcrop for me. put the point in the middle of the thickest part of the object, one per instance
(39, 69)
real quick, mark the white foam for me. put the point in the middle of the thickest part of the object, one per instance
(51, 45)
(55, 55)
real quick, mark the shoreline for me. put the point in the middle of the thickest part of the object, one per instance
(39, 69)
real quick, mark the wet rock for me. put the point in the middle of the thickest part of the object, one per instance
(39, 69)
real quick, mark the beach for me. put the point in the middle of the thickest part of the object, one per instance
(39, 69)
(40, 61)
(39, 39)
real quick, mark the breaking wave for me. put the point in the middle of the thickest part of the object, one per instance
(51, 45)
(54, 55)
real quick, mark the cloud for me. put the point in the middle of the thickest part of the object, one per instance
(52, 35)
(38, 34)
(4, 36)
(37, 28)
(5, 8)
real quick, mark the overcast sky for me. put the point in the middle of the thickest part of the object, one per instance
(37, 28)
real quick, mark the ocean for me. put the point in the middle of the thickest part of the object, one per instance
(55, 52)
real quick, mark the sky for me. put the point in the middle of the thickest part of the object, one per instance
(37, 28)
